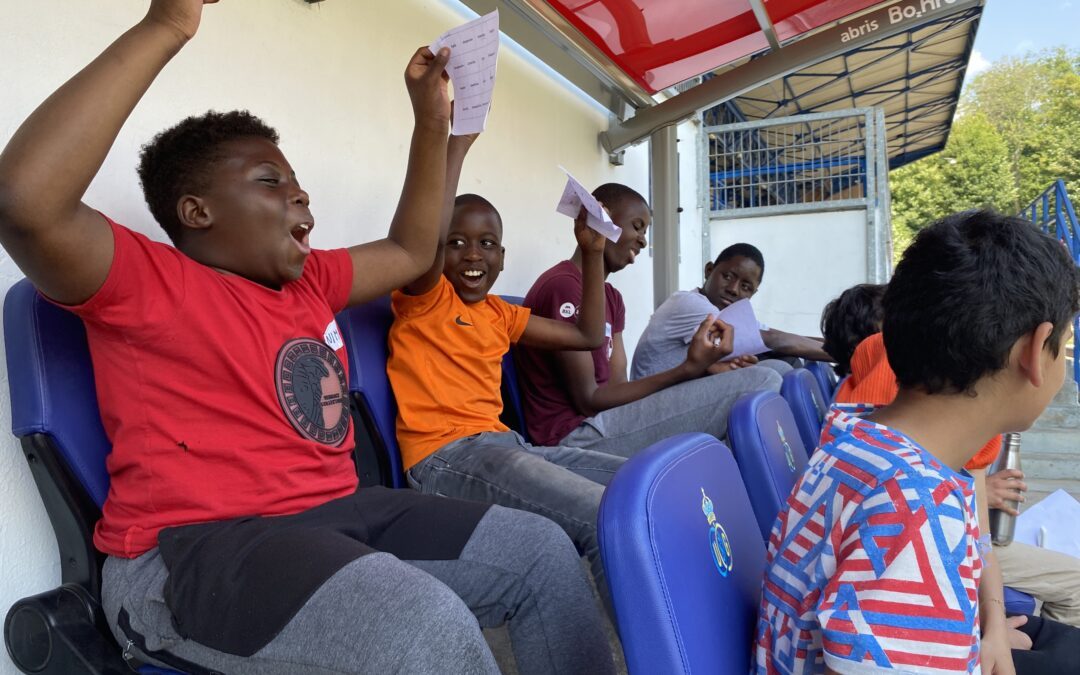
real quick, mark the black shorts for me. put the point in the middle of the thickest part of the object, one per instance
(235, 584)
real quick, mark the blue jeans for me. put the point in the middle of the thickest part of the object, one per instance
(562, 483)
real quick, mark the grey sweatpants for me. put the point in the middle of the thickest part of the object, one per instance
(701, 405)
(379, 614)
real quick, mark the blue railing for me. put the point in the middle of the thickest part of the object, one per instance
(1054, 213)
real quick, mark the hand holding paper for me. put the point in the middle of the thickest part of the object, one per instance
(747, 330)
(474, 55)
(574, 197)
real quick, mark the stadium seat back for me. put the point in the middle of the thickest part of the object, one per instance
(365, 329)
(808, 405)
(683, 558)
(55, 415)
(825, 376)
(513, 414)
(769, 452)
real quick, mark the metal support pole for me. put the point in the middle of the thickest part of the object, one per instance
(665, 206)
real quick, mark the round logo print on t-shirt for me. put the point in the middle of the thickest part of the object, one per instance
(567, 310)
(313, 390)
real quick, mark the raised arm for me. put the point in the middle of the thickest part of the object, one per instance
(588, 332)
(409, 248)
(63, 245)
(456, 149)
(790, 344)
(712, 341)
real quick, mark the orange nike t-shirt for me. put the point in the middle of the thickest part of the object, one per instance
(873, 381)
(445, 366)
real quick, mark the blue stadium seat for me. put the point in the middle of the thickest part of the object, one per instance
(1018, 602)
(825, 376)
(808, 404)
(683, 558)
(769, 451)
(513, 409)
(54, 414)
(364, 329)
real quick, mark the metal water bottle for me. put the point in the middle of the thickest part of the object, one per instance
(1002, 524)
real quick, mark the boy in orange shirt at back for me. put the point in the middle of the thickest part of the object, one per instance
(446, 348)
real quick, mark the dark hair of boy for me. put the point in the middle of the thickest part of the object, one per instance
(177, 160)
(631, 211)
(850, 319)
(474, 200)
(746, 251)
(966, 290)
(614, 194)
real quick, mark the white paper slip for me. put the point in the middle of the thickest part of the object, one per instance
(575, 196)
(1058, 518)
(474, 54)
(740, 316)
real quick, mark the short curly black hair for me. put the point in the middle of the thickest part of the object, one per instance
(966, 290)
(850, 319)
(177, 160)
(613, 194)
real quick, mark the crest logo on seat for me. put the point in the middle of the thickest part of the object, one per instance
(787, 448)
(718, 539)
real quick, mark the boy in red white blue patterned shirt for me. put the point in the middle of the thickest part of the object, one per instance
(874, 563)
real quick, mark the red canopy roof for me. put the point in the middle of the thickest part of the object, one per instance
(660, 43)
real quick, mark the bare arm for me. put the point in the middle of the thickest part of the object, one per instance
(409, 248)
(588, 332)
(996, 633)
(790, 344)
(713, 341)
(63, 245)
(456, 149)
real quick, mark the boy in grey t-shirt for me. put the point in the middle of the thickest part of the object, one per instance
(736, 275)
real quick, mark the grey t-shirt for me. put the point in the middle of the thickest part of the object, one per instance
(663, 344)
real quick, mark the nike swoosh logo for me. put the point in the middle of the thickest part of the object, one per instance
(459, 322)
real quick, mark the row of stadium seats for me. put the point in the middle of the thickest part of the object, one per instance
(683, 525)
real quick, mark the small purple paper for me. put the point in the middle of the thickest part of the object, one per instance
(740, 316)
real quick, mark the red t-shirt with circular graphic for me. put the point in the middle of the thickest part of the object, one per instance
(222, 398)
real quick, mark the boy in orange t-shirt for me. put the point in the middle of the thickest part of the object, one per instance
(446, 347)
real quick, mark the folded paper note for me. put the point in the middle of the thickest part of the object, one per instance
(575, 196)
(740, 316)
(474, 54)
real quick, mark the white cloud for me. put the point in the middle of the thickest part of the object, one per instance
(977, 63)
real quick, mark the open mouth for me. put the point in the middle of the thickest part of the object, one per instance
(300, 235)
(473, 278)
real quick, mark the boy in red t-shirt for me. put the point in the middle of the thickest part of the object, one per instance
(237, 539)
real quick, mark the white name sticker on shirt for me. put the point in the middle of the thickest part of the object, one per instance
(332, 336)
(567, 310)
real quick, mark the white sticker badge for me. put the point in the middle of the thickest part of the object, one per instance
(332, 336)
(567, 310)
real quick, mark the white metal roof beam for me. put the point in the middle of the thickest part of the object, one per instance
(766, 23)
(877, 25)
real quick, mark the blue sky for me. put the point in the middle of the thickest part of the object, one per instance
(1015, 27)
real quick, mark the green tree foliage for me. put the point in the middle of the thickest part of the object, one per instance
(972, 172)
(1017, 130)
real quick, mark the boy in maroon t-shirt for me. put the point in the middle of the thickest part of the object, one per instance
(584, 399)
(236, 537)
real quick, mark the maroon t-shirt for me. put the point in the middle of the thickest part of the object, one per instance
(549, 411)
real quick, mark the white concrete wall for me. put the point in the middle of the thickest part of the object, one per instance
(809, 260)
(329, 77)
